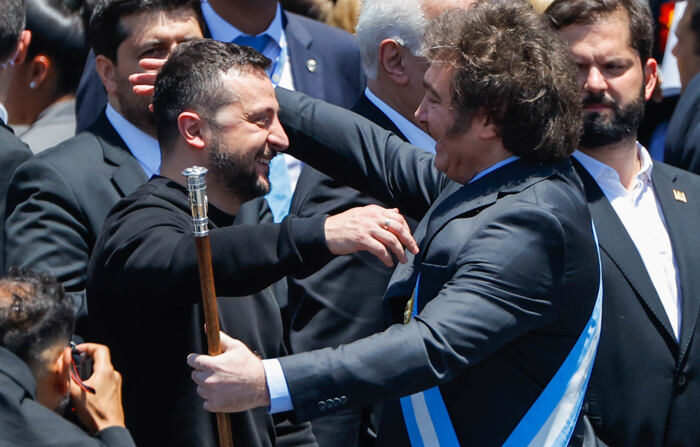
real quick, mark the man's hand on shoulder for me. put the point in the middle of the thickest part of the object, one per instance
(378, 230)
(104, 408)
(231, 382)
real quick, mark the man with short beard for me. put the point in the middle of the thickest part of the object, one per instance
(214, 107)
(58, 201)
(644, 388)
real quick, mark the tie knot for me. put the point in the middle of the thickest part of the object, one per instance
(258, 42)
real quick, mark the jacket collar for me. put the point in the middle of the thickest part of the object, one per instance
(128, 175)
(18, 371)
(509, 179)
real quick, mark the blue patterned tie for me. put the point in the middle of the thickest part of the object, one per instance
(256, 42)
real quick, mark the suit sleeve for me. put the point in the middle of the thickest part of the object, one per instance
(10, 159)
(153, 247)
(43, 227)
(485, 304)
(359, 153)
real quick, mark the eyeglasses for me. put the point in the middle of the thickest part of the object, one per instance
(74, 369)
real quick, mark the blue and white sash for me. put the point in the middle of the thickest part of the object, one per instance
(549, 422)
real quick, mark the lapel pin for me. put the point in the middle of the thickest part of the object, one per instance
(311, 65)
(679, 196)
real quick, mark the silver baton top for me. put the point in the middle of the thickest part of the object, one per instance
(197, 188)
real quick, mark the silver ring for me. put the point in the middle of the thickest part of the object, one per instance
(386, 224)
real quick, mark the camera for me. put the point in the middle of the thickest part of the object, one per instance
(83, 363)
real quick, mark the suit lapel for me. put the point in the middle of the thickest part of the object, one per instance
(128, 175)
(679, 218)
(366, 108)
(512, 178)
(616, 243)
(299, 47)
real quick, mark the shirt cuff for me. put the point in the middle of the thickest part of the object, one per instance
(280, 400)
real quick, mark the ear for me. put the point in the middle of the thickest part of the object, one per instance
(39, 69)
(61, 372)
(486, 129)
(651, 77)
(391, 61)
(107, 72)
(191, 128)
(23, 46)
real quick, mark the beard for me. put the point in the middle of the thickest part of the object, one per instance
(601, 130)
(237, 172)
(133, 107)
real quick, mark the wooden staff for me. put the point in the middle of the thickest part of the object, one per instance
(197, 188)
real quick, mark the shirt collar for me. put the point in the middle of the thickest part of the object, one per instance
(600, 171)
(3, 114)
(493, 167)
(223, 31)
(414, 134)
(143, 146)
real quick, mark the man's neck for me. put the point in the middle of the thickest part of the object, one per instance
(623, 157)
(217, 195)
(251, 16)
(145, 126)
(393, 96)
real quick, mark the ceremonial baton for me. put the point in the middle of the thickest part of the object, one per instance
(197, 188)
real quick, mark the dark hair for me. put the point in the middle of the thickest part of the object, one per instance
(562, 13)
(511, 65)
(106, 33)
(35, 316)
(11, 26)
(191, 80)
(57, 32)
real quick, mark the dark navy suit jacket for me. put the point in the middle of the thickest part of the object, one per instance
(508, 280)
(337, 75)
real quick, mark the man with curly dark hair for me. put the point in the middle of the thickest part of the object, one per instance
(502, 304)
(36, 323)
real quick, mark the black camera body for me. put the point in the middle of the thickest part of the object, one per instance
(83, 363)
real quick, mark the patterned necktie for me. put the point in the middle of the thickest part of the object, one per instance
(258, 42)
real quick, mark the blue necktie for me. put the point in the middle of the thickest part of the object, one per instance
(258, 42)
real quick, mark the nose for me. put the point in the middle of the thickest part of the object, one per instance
(421, 113)
(277, 138)
(595, 81)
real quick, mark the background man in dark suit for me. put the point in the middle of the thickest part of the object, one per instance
(504, 283)
(36, 324)
(306, 55)
(683, 135)
(58, 201)
(342, 301)
(644, 389)
(14, 41)
(214, 107)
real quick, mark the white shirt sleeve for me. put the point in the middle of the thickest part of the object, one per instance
(280, 400)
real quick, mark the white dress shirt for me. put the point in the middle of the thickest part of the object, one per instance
(414, 134)
(640, 213)
(143, 147)
(223, 31)
(280, 399)
(3, 114)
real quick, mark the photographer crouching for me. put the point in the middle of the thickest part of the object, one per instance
(39, 378)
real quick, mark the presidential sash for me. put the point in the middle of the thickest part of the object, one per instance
(549, 422)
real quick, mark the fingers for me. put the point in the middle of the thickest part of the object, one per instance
(227, 343)
(99, 353)
(398, 226)
(149, 63)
